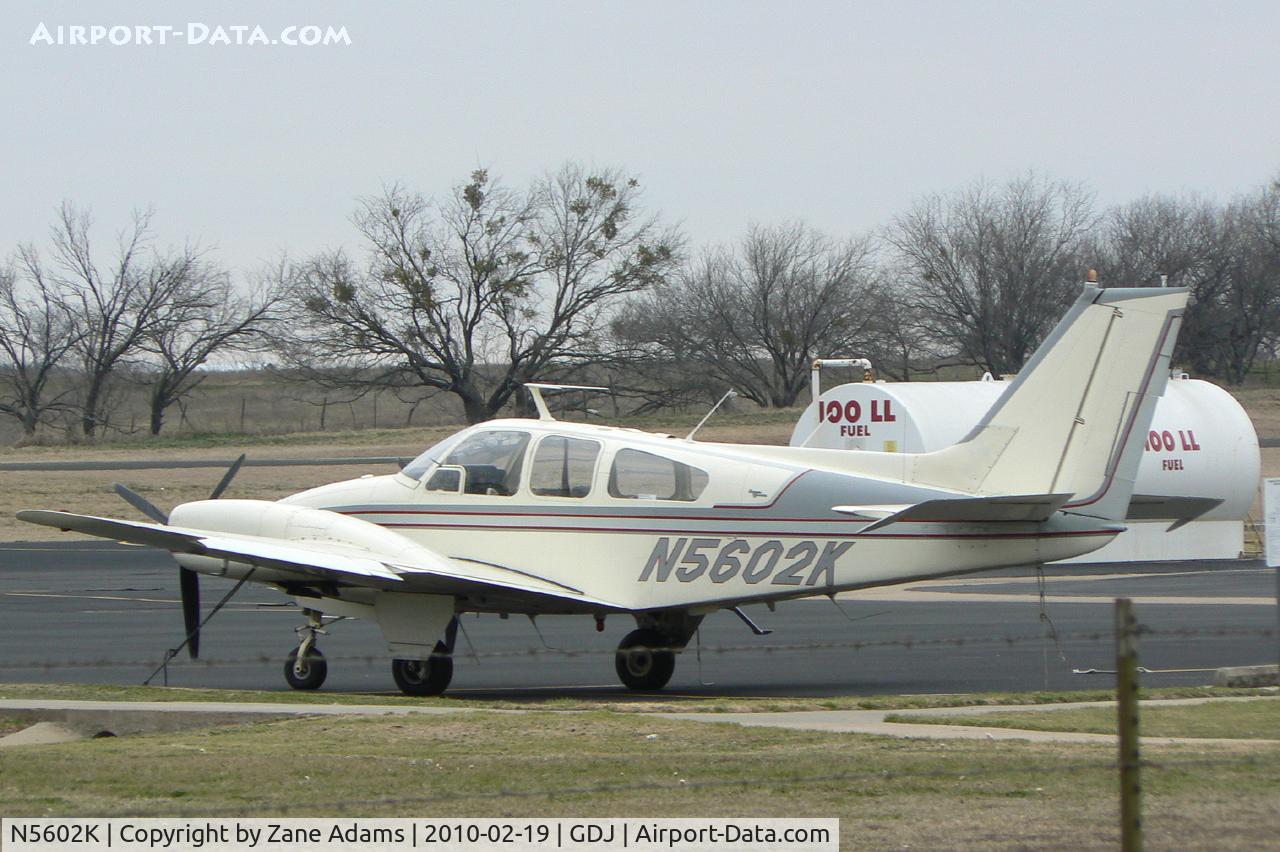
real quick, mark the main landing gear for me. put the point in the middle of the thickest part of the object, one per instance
(432, 675)
(424, 677)
(645, 660)
(646, 656)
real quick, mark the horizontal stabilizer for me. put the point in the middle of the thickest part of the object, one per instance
(1031, 508)
(1180, 510)
(871, 513)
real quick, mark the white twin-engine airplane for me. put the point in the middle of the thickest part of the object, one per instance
(547, 517)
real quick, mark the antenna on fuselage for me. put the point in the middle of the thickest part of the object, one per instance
(536, 388)
(728, 395)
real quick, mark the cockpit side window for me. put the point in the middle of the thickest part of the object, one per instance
(492, 461)
(563, 467)
(637, 475)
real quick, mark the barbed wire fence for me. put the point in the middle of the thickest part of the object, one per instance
(1008, 640)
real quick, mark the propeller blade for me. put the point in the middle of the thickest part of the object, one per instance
(227, 477)
(190, 583)
(142, 504)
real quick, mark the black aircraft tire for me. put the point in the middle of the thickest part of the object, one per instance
(639, 667)
(423, 677)
(312, 671)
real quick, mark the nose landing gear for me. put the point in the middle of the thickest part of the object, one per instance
(305, 667)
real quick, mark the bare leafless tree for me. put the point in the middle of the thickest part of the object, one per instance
(1180, 241)
(1243, 319)
(1157, 236)
(898, 343)
(755, 316)
(1229, 257)
(205, 317)
(493, 288)
(36, 334)
(992, 267)
(116, 306)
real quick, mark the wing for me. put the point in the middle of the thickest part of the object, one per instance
(977, 510)
(413, 568)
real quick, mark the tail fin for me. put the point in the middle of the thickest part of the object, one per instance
(1075, 418)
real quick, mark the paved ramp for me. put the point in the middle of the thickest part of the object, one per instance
(873, 722)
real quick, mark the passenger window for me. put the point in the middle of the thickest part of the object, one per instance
(563, 467)
(638, 475)
(492, 461)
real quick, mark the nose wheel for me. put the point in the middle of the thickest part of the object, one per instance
(305, 667)
(305, 671)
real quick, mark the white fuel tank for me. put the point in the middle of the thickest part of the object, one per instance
(1201, 444)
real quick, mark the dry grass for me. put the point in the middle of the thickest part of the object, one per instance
(1263, 408)
(254, 402)
(89, 492)
(886, 792)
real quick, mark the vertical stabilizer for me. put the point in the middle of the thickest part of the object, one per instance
(1075, 418)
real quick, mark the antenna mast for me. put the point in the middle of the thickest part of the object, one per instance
(728, 395)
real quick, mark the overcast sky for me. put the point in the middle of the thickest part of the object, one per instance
(728, 112)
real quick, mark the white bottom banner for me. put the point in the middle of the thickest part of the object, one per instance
(367, 835)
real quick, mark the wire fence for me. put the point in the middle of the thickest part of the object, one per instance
(995, 640)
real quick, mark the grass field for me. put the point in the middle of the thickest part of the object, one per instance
(887, 792)
(1237, 720)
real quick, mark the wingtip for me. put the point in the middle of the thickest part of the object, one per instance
(35, 516)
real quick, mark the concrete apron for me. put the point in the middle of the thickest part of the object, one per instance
(873, 722)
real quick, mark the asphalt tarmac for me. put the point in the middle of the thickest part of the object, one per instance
(93, 612)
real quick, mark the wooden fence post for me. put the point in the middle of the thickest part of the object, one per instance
(1127, 707)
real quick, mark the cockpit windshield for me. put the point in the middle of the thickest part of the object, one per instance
(431, 458)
